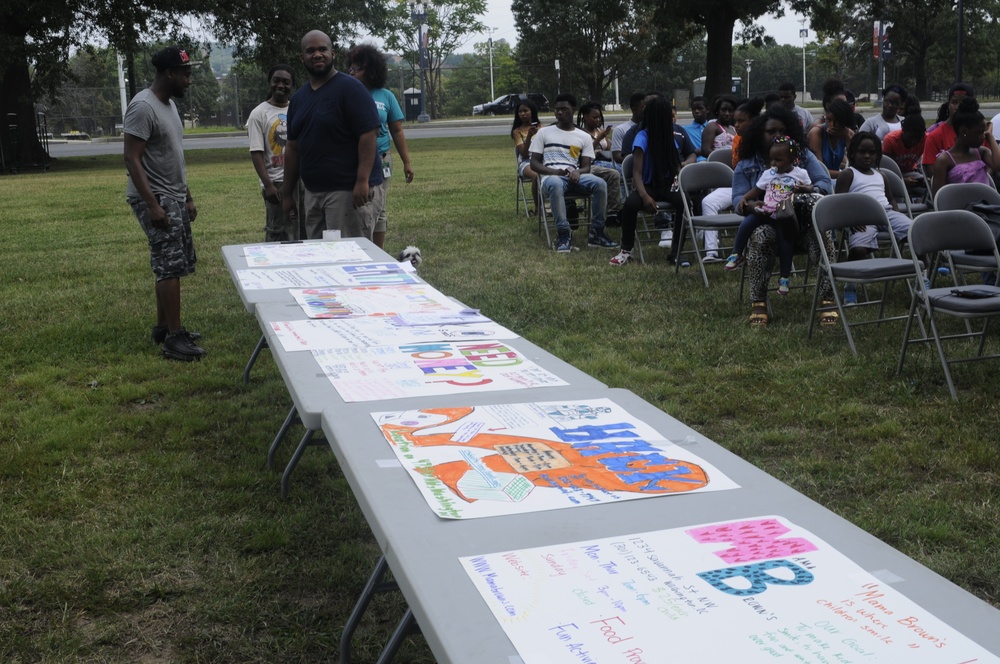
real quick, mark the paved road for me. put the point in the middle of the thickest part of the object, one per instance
(435, 130)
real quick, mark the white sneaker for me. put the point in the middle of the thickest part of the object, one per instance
(711, 257)
(622, 258)
(666, 239)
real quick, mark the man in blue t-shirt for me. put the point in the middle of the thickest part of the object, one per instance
(332, 125)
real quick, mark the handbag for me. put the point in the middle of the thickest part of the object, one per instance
(788, 222)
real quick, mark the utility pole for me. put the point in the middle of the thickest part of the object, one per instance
(493, 94)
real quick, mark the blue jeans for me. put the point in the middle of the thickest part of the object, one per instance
(555, 188)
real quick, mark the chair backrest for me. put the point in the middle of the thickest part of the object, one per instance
(957, 196)
(627, 173)
(950, 230)
(889, 164)
(897, 188)
(705, 175)
(723, 155)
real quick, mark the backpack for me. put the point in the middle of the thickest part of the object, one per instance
(990, 213)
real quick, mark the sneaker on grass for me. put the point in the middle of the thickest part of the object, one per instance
(850, 294)
(733, 262)
(564, 245)
(783, 285)
(622, 258)
(601, 240)
(159, 334)
(181, 346)
(666, 239)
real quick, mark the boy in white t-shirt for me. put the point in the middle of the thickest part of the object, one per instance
(561, 155)
(267, 128)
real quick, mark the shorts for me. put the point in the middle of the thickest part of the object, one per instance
(334, 210)
(522, 167)
(381, 192)
(171, 249)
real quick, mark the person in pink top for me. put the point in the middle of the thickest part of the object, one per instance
(968, 160)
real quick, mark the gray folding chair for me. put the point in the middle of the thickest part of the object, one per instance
(887, 164)
(952, 231)
(957, 197)
(840, 212)
(521, 196)
(694, 178)
(643, 231)
(723, 155)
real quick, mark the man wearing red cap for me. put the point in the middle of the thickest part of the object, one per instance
(158, 193)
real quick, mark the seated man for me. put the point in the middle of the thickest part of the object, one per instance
(786, 96)
(699, 120)
(637, 102)
(561, 155)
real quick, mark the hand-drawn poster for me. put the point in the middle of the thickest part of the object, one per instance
(528, 457)
(366, 274)
(318, 333)
(429, 368)
(372, 301)
(303, 253)
(750, 591)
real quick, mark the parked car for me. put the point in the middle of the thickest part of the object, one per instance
(505, 104)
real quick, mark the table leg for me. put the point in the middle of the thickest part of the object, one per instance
(294, 461)
(261, 345)
(408, 625)
(377, 583)
(292, 417)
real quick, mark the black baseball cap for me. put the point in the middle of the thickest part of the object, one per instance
(172, 56)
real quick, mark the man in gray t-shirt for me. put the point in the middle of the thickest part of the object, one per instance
(158, 193)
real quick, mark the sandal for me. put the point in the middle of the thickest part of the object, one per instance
(831, 317)
(758, 314)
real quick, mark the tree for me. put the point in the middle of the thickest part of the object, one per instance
(593, 40)
(719, 18)
(89, 101)
(469, 82)
(36, 38)
(451, 23)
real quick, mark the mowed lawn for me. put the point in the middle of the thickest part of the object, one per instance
(138, 522)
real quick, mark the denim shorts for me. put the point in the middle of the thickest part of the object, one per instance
(171, 249)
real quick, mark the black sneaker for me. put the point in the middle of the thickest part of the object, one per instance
(612, 221)
(159, 334)
(181, 346)
(601, 240)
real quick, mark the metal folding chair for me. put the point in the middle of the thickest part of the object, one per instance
(957, 197)
(951, 231)
(695, 178)
(645, 232)
(840, 212)
(722, 155)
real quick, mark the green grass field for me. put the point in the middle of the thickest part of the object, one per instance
(140, 524)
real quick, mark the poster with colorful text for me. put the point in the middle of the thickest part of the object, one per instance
(318, 333)
(527, 457)
(373, 301)
(365, 274)
(750, 591)
(430, 368)
(303, 253)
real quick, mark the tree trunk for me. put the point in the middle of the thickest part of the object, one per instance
(719, 59)
(21, 146)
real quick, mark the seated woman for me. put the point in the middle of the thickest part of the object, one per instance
(763, 248)
(975, 155)
(893, 100)
(655, 165)
(719, 133)
(829, 142)
(524, 129)
(590, 118)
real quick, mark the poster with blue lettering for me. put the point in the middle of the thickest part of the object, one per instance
(756, 590)
(303, 276)
(367, 331)
(481, 461)
(356, 301)
(430, 368)
(304, 253)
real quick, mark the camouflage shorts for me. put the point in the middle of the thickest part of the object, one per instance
(171, 249)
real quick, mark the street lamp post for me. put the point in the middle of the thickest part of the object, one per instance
(418, 14)
(493, 94)
(803, 33)
(748, 62)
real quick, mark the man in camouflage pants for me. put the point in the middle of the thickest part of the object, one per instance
(158, 193)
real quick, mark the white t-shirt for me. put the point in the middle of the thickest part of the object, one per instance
(996, 125)
(880, 126)
(618, 134)
(562, 149)
(267, 128)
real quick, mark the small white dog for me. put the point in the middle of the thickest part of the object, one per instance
(411, 254)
